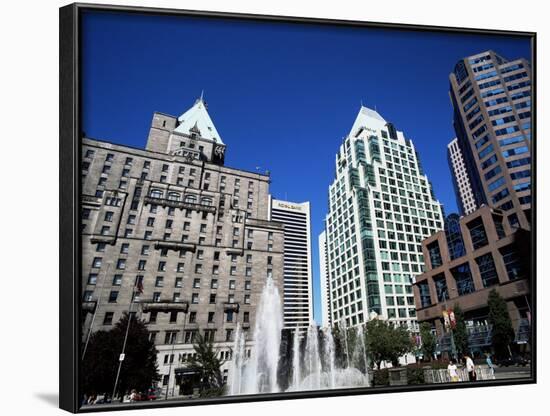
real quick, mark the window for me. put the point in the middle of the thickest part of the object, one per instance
(156, 297)
(92, 278)
(87, 296)
(425, 298)
(142, 264)
(512, 262)
(176, 297)
(96, 263)
(179, 282)
(161, 266)
(180, 267)
(246, 317)
(192, 317)
(159, 281)
(211, 317)
(441, 287)
(108, 319)
(247, 299)
(247, 285)
(229, 316)
(100, 247)
(212, 298)
(198, 268)
(214, 284)
(170, 337)
(232, 284)
(117, 280)
(435, 254)
(195, 298)
(113, 296)
(477, 233)
(487, 270)
(196, 283)
(124, 248)
(463, 279)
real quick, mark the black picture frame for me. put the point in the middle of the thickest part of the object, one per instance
(69, 203)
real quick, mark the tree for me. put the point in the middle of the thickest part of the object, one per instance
(208, 366)
(386, 342)
(460, 334)
(499, 318)
(428, 340)
(139, 369)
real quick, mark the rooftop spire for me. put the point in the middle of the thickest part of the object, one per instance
(198, 120)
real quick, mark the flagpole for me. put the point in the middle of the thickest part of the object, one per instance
(95, 312)
(121, 356)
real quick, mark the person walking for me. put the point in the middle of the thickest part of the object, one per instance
(452, 369)
(490, 365)
(470, 367)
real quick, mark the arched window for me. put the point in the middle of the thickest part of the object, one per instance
(190, 199)
(206, 201)
(156, 193)
(174, 196)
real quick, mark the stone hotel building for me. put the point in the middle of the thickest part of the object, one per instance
(192, 233)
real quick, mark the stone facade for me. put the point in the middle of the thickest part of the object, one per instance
(472, 256)
(171, 221)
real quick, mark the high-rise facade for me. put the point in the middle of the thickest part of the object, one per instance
(297, 276)
(173, 236)
(491, 97)
(465, 198)
(326, 318)
(381, 206)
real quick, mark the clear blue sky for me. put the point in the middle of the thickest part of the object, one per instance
(281, 95)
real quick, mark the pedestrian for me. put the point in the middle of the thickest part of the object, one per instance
(470, 367)
(452, 369)
(490, 365)
(133, 396)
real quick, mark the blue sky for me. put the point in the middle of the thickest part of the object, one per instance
(281, 95)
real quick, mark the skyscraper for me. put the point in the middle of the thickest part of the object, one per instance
(173, 236)
(326, 318)
(298, 293)
(381, 206)
(491, 97)
(465, 199)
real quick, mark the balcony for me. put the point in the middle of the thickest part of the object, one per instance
(175, 245)
(164, 306)
(90, 199)
(231, 307)
(179, 204)
(265, 224)
(238, 251)
(88, 306)
(107, 239)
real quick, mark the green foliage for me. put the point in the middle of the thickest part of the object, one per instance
(415, 375)
(499, 318)
(139, 369)
(381, 377)
(208, 366)
(386, 342)
(459, 332)
(428, 340)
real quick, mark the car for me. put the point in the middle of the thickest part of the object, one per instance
(152, 394)
(516, 360)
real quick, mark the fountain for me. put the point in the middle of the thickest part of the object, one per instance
(314, 359)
